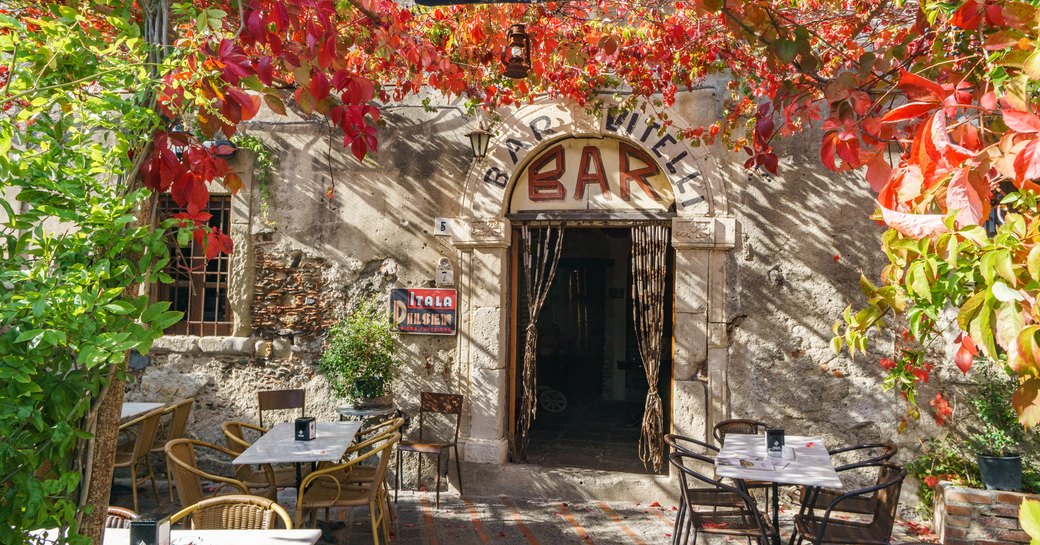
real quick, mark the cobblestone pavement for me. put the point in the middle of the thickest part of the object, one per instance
(497, 520)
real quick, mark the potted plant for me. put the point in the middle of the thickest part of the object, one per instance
(998, 436)
(359, 356)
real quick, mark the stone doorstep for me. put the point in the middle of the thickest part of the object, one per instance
(969, 515)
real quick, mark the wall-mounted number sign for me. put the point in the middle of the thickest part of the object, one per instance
(441, 227)
(426, 311)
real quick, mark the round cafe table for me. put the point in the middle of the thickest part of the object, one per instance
(351, 413)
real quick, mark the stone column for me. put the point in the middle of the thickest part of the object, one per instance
(483, 332)
(700, 393)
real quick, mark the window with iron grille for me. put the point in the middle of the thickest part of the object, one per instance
(200, 287)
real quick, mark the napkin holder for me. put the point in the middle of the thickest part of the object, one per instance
(150, 531)
(775, 442)
(306, 429)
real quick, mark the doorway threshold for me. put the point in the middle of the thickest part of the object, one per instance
(567, 483)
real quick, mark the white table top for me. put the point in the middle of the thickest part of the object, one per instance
(810, 465)
(131, 410)
(121, 536)
(280, 446)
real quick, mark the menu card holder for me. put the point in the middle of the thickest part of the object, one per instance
(775, 442)
(306, 428)
(150, 531)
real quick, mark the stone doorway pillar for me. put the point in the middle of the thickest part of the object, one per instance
(483, 335)
(700, 361)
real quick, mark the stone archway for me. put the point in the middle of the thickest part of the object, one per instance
(702, 233)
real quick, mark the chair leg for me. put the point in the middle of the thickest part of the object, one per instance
(458, 468)
(151, 477)
(677, 527)
(169, 481)
(397, 476)
(418, 475)
(372, 519)
(438, 480)
(133, 484)
(690, 530)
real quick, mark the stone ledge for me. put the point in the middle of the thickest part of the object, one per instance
(187, 344)
(970, 515)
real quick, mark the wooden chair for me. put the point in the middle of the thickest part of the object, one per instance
(871, 456)
(830, 529)
(275, 400)
(182, 458)
(134, 453)
(119, 517)
(178, 414)
(434, 403)
(236, 438)
(742, 520)
(322, 489)
(699, 451)
(235, 512)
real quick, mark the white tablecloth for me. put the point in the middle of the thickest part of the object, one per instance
(809, 463)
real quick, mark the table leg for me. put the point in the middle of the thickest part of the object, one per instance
(299, 477)
(776, 513)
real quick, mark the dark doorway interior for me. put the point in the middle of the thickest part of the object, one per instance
(592, 386)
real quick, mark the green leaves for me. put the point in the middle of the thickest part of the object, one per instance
(1029, 519)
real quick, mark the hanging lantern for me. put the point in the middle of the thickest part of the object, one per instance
(517, 54)
(478, 141)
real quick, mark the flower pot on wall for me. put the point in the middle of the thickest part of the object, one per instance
(1001, 472)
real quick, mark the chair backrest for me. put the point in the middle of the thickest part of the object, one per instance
(870, 454)
(182, 458)
(119, 517)
(146, 426)
(235, 512)
(376, 432)
(382, 446)
(737, 425)
(690, 479)
(272, 400)
(437, 403)
(691, 447)
(886, 492)
(235, 435)
(179, 421)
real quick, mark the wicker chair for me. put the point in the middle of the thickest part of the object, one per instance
(276, 400)
(236, 436)
(119, 517)
(434, 403)
(829, 529)
(875, 454)
(234, 513)
(698, 451)
(181, 456)
(134, 453)
(743, 520)
(322, 490)
(174, 429)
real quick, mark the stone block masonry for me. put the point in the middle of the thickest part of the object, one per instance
(969, 516)
(288, 298)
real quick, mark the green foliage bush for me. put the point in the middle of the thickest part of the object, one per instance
(998, 432)
(359, 353)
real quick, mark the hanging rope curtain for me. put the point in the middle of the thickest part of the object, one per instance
(649, 270)
(541, 249)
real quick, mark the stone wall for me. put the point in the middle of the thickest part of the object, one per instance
(969, 516)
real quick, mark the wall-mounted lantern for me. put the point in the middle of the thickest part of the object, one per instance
(517, 54)
(478, 141)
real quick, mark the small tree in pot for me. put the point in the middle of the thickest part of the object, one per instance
(359, 356)
(999, 437)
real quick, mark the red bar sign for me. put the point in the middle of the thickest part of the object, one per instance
(427, 311)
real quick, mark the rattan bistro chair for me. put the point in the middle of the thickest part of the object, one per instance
(743, 520)
(236, 437)
(830, 529)
(119, 517)
(275, 400)
(175, 428)
(134, 453)
(433, 403)
(697, 451)
(235, 512)
(181, 455)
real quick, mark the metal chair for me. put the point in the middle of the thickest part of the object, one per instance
(237, 512)
(134, 454)
(174, 429)
(119, 517)
(829, 529)
(820, 498)
(275, 400)
(323, 489)
(702, 452)
(746, 426)
(433, 403)
(235, 437)
(741, 520)
(182, 458)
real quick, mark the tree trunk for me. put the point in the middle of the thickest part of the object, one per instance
(102, 458)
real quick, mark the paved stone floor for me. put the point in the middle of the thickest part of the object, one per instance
(496, 520)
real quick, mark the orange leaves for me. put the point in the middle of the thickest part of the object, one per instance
(942, 409)
(1026, 402)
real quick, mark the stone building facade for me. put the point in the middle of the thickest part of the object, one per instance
(763, 266)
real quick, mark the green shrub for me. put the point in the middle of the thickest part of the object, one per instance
(998, 432)
(359, 353)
